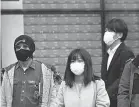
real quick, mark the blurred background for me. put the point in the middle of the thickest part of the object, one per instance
(59, 26)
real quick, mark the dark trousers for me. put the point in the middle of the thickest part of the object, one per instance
(113, 103)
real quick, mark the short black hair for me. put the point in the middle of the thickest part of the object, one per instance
(25, 39)
(118, 26)
(69, 76)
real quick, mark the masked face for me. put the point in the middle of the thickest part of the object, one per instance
(77, 67)
(22, 52)
(23, 55)
(109, 38)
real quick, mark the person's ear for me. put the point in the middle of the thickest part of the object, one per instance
(119, 35)
(33, 53)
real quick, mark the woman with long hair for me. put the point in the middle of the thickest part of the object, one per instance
(80, 87)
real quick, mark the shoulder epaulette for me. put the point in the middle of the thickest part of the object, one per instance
(130, 59)
(47, 65)
(9, 67)
(135, 61)
(37, 61)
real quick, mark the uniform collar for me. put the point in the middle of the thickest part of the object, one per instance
(32, 65)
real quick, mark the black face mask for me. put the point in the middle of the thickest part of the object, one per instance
(23, 55)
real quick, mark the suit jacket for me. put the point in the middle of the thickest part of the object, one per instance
(112, 76)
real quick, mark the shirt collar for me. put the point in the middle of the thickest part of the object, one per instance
(112, 51)
(32, 65)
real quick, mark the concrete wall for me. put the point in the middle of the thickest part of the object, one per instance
(11, 27)
(12, 4)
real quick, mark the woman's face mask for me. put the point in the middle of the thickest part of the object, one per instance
(77, 67)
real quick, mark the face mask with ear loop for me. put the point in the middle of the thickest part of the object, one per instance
(77, 67)
(23, 54)
(109, 37)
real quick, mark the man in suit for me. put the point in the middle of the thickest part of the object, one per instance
(117, 55)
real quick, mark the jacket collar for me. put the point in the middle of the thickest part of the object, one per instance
(121, 47)
(112, 51)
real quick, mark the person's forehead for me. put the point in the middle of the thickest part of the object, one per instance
(21, 43)
(79, 56)
(76, 56)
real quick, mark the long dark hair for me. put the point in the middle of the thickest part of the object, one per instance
(69, 76)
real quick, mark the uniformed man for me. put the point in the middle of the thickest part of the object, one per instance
(27, 83)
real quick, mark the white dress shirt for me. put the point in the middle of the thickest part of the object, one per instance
(111, 53)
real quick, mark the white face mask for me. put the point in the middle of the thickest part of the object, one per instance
(109, 38)
(77, 67)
